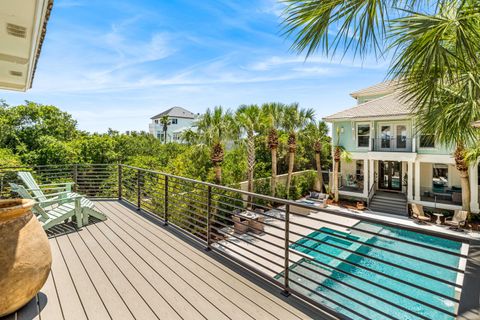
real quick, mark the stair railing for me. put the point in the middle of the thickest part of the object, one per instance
(371, 191)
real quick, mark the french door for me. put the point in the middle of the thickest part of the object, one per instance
(390, 175)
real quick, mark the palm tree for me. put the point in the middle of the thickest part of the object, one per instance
(315, 134)
(445, 119)
(215, 128)
(165, 122)
(248, 119)
(436, 57)
(272, 114)
(294, 119)
(339, 154)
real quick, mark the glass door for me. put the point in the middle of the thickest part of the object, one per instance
(401, 139)
(385, 137)
(390, 175)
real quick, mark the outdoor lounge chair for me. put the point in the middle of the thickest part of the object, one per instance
(54, 209)
(458, 220)
(62, 190)
(417, 213)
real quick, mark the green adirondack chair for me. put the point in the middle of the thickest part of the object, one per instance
(50, 212)
(56, 207)
(63, 190)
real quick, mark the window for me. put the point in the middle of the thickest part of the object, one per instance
(427, 141)
(156, 121)
(174, 121)
(401, 136)
(359, 170)
(386, 136)
(439, 177)
(176, 136)
(363, 135)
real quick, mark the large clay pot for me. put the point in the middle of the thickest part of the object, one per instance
(25, 256)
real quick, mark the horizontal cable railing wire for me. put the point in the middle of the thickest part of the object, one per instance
(332, 259)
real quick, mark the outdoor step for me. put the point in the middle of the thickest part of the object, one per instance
(388, 210)
(390, 198)
(374, 200)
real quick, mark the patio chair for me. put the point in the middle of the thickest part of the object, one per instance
(419, 214)
(62, 190)
(458, 220)
(54, 210)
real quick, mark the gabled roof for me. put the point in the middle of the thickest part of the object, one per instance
(384, 107)
(385, 87)
(176, 112)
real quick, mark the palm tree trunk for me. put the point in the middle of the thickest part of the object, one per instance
(218, 173)
(335, 181)
(462, 166)
(319, 180)
(250, 164)
(291, 162)
(465, 183)
(273, 183)
(250, 161)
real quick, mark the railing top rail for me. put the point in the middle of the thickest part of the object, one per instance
(306, 206)
(279, 201)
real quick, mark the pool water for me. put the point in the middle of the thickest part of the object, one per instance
(359, 286)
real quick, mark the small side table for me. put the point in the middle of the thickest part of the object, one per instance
(438, 215)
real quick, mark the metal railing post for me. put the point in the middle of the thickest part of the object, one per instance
(139, 191)
(75, 177)
(286, 271)
(120, 181)
(209, 218)
(165, 211)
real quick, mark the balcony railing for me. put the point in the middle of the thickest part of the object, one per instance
(445, 195)
(279, 243)
(399, 144)
(351, 182)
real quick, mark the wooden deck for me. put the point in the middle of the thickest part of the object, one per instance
(132, 267)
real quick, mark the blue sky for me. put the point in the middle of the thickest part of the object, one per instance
(114, 64)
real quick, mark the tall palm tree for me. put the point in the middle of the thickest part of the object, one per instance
(272, 115)
(315, 134)
(294, 119)
(165, 122)
(436, 56)
(445, 119)
(248, 119)
(215, 128)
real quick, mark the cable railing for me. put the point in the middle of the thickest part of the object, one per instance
(350, 265)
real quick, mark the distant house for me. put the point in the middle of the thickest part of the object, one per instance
(393, 163)
(180, 119)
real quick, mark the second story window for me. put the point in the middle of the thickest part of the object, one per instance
(363, 135)
(174, 121)
(427, 141)
(156, 121)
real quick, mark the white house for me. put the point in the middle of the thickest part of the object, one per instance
(180, 119)
(23, 25)
(392, 163)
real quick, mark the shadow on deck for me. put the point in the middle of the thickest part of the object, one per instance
(133, 267)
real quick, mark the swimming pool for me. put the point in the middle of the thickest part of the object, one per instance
(355, 279)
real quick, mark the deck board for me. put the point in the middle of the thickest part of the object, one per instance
(131, 267)
(208, 269)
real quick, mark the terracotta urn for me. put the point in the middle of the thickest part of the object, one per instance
(25, 256)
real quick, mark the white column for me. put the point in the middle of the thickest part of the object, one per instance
(409, 181)
(366, 184)
(473, 174)
(417, 180)
(371, 172)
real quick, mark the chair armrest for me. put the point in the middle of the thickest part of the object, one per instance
(57, 184)
(56, 201)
